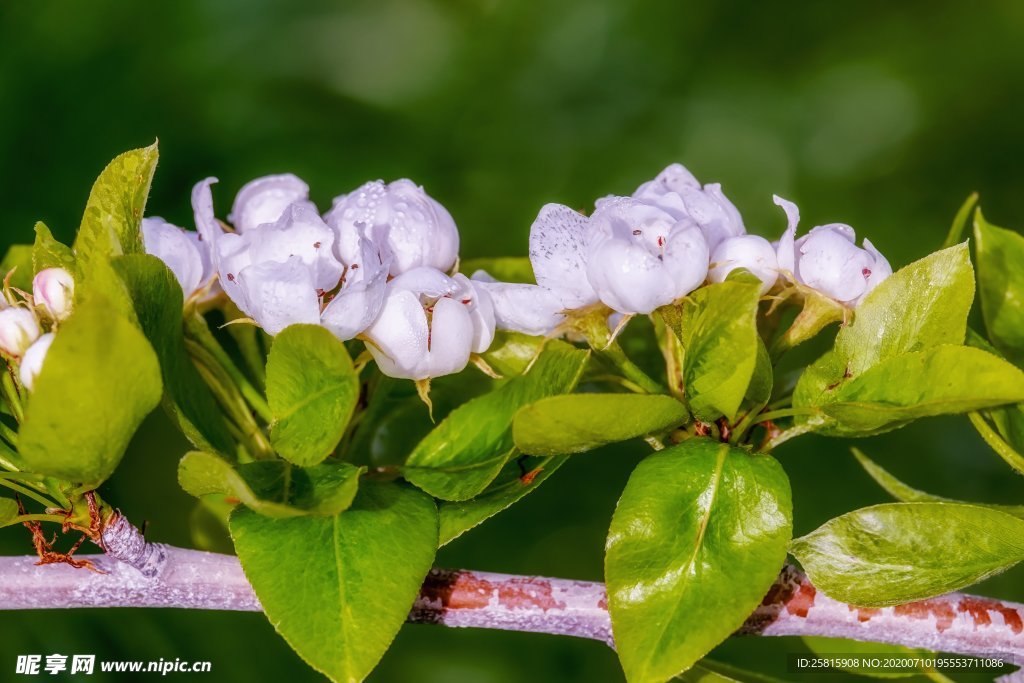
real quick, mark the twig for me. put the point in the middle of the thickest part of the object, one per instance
(141, 574)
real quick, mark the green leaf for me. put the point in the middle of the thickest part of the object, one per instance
(908, 494)
(1000, 254)
(49, 253)
(464, 453)
(18, 259)
(900, 552)
(112, 223)
(816, 313)
(157, 300)
(312, 389)
(577, 423)
(8, 511)
(339, 588)
(697, 539)
(763, 380)
(708, 671)
(718, 331)
(272, 488)
(100, 380)
(511, 353)
(516, 480)
(939, 381)
(505, 269)
(997, 443)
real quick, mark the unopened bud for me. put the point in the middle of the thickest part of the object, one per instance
(18, 330)
(53, 290)
(32, 363)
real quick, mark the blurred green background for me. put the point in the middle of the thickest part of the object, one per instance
(880, 114)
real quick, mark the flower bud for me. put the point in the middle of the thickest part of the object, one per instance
(415, 229)
(32, 363)
(53, 290)
(430, 324)
(19, 328)
(752, 252)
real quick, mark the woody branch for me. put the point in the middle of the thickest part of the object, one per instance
(136, 573)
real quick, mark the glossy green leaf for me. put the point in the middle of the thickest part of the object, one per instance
(900, 552)
(511, 353)
(941, 380)
(47, 252)
(577, 423)
(517, 479)
(8, 511)
(718, 330)
(1000, 256)
(697, 539)
(312, 389)
(464, 453)
(100, 380)
(112, 223)
(339, 588)
(272, 488)
(158, 300)
(19, 260)
(908, 494)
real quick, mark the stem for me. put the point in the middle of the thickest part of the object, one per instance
(200, 332)
(37, 497)
(56, 519)
(616, 357)
(1003, 449)
(153, 575)
(10, 392)
(779, 414)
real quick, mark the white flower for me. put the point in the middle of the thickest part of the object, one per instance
(430, 324)
(640, 257)
(415, 228)
(181, 250)
(265, 199)
(521, 307)
(32, 363)
(19, 328)
(752, 252)
(677, 192)
(288, 271)
(53, 290)
(828, 259)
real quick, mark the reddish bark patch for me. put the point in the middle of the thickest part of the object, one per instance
(802, 601)
(864, 614)
(981, 610)
(458, 590)
(925, 609)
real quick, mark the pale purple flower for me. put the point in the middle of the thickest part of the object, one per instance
(752, 252)
(181, 251)
(828, 259)
(53, 290)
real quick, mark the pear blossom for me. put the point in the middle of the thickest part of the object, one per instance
(181, 250)
(53, 290)
(677, 192)
(828, 259)
(415, 228)
(294, 268)
(32, 363)
(19, 328)
(640, 257)
(752, 252)
(430, 324)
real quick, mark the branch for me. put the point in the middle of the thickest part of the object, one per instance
(141, 574)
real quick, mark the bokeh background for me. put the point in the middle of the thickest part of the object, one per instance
(880, 114)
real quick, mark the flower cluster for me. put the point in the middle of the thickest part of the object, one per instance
(29, 322)
(381, 264)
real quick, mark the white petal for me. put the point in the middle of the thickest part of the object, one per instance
(359, 302)
(557, 239)
(627, 277)
(752, 252)
(421, 232)
(673, 179)
(428, 282)
(280, 294)
(477, 301)
(354, 215)
(32, 363)
(264, 200)
(399, 336)
(520, 307)
(880, 269)
(785, 251)
(715, 214)
(232, 254)
(299, 232)
(178, 249)
(206, 222)
(830, 263)
(451, 334)
(686, 258)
